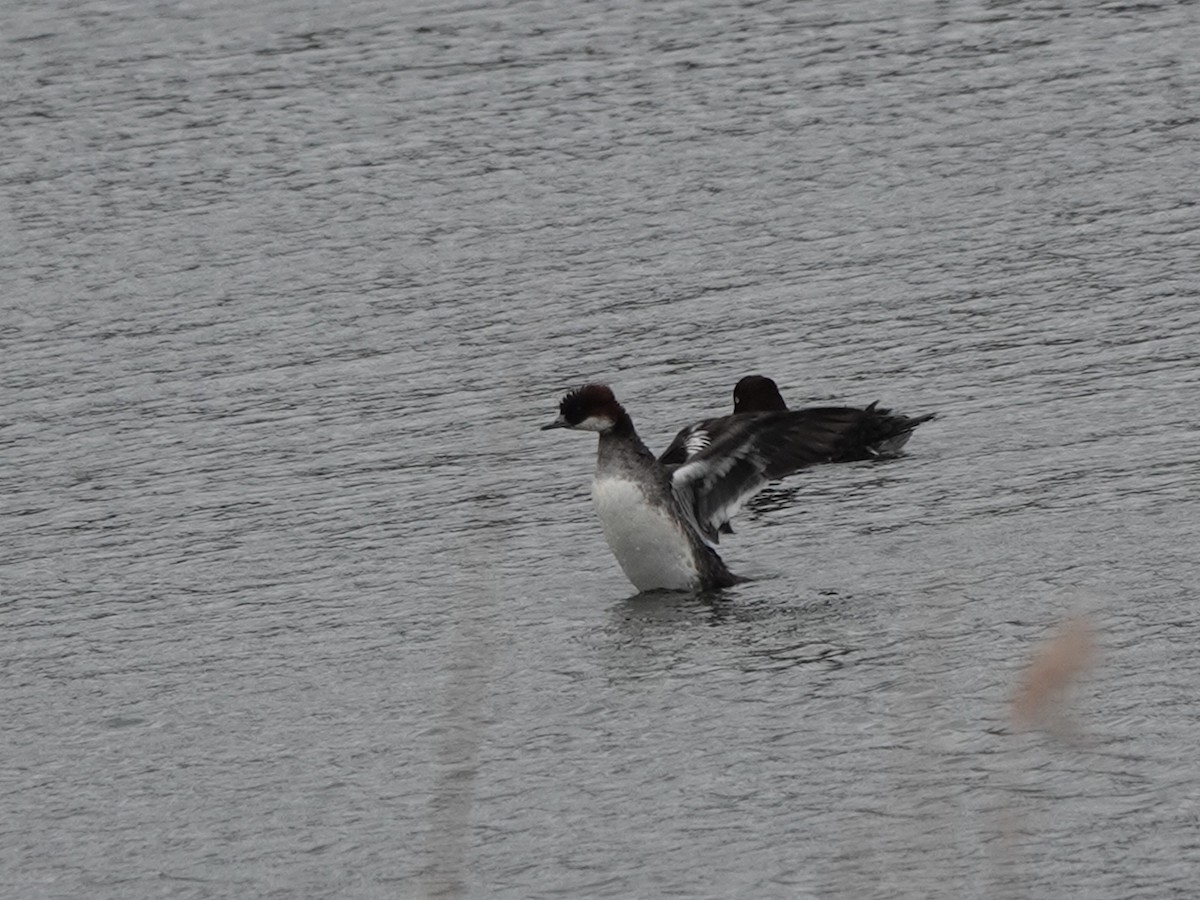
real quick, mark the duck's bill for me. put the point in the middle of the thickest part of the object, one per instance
(560, 422)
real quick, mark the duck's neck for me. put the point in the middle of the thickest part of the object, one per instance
(621, 442)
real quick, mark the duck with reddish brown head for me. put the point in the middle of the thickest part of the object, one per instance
(862, 433)
(592, 407)
(663, 523)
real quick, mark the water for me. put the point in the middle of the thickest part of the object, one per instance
(297, 601)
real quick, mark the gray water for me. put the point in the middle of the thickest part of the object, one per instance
(298, 602)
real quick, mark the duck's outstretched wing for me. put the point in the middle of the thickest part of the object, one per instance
(751, 450)
(870, 433)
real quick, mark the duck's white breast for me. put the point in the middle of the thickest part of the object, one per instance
(650, 546)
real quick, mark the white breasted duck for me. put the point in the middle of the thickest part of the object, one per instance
(662, 522)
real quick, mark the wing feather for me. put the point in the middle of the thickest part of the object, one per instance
(755, 449)
(690, 441)
(867, 433)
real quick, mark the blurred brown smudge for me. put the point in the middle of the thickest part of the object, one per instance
(1055, 666)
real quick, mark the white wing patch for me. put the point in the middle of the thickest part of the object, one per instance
(711, 493)
(696, 441)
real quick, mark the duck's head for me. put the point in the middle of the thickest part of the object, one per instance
(592, 407)
(757, 393)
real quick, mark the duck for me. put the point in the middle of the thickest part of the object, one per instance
(872, 432)
(663, 521)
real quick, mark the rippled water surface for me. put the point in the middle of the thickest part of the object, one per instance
(298, 602)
